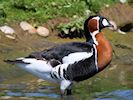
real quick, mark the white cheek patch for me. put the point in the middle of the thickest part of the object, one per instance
(105, 22)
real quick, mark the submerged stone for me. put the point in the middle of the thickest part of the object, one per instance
(10, 37)
(5, 97)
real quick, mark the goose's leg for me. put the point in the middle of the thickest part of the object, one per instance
(69, 90)
(69, 93)
(62, 94)
(63, 86)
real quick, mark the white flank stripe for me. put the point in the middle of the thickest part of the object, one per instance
(78, 56)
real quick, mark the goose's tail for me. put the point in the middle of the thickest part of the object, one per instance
(39, 68)
(15, 61)
(31, 64)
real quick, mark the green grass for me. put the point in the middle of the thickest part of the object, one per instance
(39, 11)
(96, 5)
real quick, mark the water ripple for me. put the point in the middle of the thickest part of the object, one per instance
(34, 94)
(116, 95)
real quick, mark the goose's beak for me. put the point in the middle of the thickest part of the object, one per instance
(110, 25)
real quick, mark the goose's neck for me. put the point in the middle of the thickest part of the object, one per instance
(104, 51)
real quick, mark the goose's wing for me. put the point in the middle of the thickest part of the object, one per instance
(60, 51)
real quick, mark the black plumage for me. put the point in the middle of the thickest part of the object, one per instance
(60, 51)
(77, 71)
(82, 70)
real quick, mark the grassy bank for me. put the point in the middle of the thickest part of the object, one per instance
(39, 11)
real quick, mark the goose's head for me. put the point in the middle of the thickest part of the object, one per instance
(93, 25)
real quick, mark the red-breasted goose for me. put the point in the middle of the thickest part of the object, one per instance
(75, 61)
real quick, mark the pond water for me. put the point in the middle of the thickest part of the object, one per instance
(114, 83)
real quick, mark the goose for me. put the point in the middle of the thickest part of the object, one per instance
(72, 62)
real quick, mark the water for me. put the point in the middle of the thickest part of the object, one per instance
(34, 94)
(116, 95)
(33, 89)
(114, 83)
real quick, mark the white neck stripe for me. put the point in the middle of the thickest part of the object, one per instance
(93, 34)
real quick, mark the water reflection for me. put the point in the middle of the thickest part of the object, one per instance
(29, 91)
(34, 94)
(49, 92)
(116, 95)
